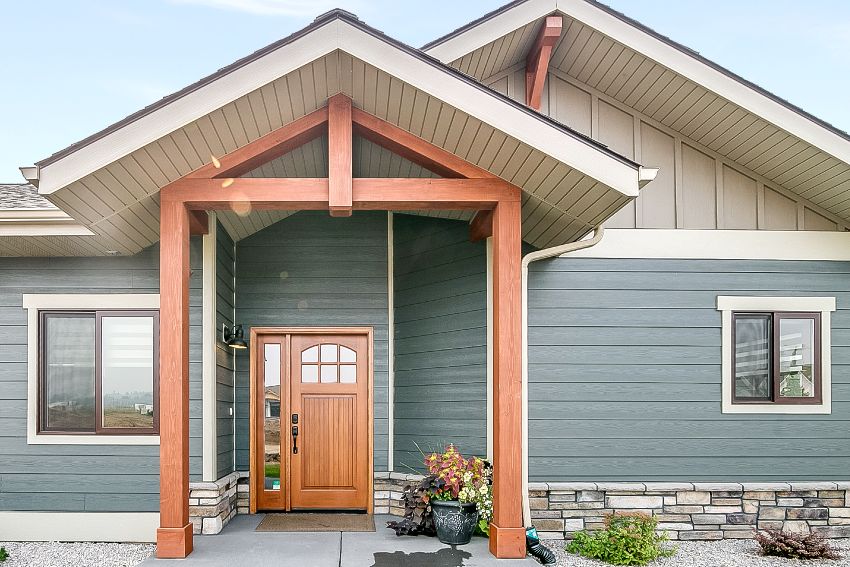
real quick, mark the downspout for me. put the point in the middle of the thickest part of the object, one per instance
(528, 259)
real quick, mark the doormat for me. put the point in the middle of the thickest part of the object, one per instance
(313, 522)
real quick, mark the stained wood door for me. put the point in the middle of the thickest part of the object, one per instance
(329, 392)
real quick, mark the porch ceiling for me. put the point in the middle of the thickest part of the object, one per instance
(671, 84)
(119, 200)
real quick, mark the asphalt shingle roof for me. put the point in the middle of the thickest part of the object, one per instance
(22, 196)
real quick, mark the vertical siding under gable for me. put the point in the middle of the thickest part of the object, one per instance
(81, 478)
(624, 373)
(314, 270)
(440, 373)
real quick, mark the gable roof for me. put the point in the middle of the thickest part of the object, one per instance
(614, 56)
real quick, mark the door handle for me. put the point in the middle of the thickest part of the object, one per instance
(294, 420)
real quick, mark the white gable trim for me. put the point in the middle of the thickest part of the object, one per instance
(657, 50)
(339, 34)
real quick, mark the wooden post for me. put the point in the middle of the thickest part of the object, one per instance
(339, 156)
(507, 534)
(174, 536)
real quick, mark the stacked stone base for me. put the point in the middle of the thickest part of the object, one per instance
(694, 511)
(213, 504)
(388, 491)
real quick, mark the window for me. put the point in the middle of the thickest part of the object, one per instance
(776, 354)
(98, 372)
(329, 363)
(776, 358)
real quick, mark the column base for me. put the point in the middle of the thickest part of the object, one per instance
(507, 543)
(174, 543)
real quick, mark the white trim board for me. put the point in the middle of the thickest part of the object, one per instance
(79, 526)
(719, 244)
(339, 34)
(208, 356)
(824, 305)
(659, 51)
(390, 342)
(35, 302)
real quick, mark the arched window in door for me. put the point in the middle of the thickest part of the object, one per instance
(328, 364)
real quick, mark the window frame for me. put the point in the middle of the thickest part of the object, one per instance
(775, 319)
(822, 305)
(99, 430)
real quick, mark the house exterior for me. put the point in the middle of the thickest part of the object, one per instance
(552, 237)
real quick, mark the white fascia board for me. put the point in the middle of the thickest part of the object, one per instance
(720, 244)
(499, 25)
(338, 34)
(42, 229)
(80, 526)
(657, 50)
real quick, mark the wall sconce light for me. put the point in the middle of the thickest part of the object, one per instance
(234, 338)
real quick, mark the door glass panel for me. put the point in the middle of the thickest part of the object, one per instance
(752, 357)
(271, 386)
(796, 358)
(309, 373)
(329, 373)
(348, 373)
(328, 353)
(127, 372)
(310, 355)
(347, 355)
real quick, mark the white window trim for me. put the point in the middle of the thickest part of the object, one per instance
(823, 305)
(34, 303)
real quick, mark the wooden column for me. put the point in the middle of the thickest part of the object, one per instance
(174, 536)
(507, 534)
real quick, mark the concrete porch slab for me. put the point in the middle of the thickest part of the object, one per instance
(239, 544)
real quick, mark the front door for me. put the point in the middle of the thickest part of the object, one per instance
(312, 435)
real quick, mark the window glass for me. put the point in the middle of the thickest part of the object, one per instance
(69, 372)
(127, 372)
(271, 425)
(796, 357)
(752, 357)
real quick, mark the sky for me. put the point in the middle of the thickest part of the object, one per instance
(72, 67)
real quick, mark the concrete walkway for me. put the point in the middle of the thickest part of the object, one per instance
(240, 545)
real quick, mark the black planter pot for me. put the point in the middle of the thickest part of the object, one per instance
(455, 522)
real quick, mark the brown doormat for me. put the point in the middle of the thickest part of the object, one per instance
(317, 522)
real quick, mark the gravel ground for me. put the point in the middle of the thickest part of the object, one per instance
(726, 553)
(54, 554)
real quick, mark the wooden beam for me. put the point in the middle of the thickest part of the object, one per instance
(481, 226)
(339, 155)
(266, 148)
(199, 223)
(507, 534)
(174, 536)
(367, 193)
(537, 62)
(414, 148)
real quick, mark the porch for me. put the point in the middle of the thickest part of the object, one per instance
(240, 544)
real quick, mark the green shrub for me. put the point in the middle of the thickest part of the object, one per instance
(4, 555)
(627, 539)
(794, 545)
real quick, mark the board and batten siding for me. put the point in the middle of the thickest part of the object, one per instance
(224, 366)
(696, 188)
(440, 319)
(81, 478)
(314, 270)
(625, 373)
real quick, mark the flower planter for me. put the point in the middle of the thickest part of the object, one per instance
(455, 522)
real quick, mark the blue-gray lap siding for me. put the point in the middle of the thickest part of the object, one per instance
(77, 478)
(314, 270)
(625, 373)
(440, 299)
(224, 373)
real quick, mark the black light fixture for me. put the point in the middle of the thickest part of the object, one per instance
(234, 338)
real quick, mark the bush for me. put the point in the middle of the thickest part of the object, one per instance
(627, 539)
(4, 555)
(794, 545)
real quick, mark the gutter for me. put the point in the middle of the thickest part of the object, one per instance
(526, 261)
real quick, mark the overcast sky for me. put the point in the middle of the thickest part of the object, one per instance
(72, 67)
